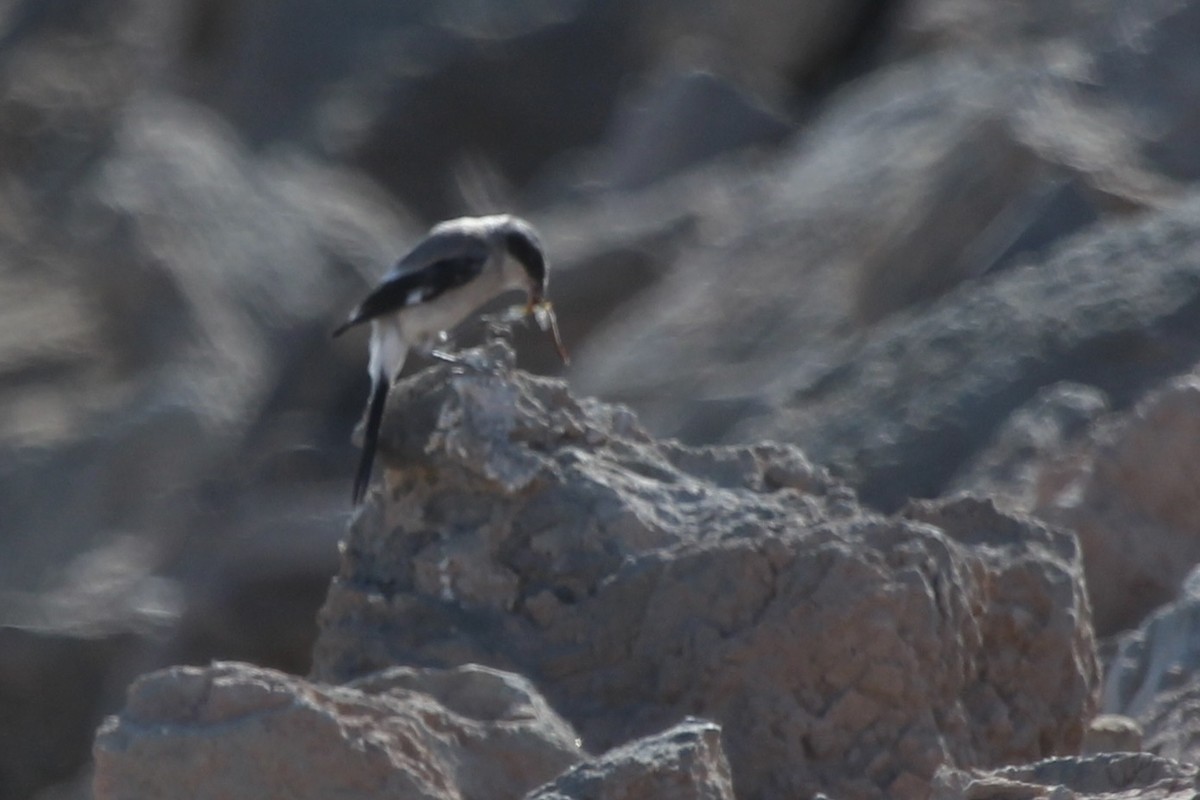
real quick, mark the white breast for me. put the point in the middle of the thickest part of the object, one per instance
(420, 324)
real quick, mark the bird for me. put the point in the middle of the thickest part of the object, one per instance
(459, 266)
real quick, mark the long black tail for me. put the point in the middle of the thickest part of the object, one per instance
(370, 438)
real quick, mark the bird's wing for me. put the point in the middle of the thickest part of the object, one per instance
(408, 288)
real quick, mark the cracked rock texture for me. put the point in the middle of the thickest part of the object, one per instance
(1153, 676)
(234, 730)
(637, 582)
(874, 230)
(683, 763)
(1126, 482)
(1131, 491)
(1137, 776)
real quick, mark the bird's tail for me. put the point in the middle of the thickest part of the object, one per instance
(362, 478)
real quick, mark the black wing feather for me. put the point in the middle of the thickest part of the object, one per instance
(428, 282)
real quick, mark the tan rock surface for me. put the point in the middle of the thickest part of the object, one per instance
(1131, 490)
(233, 730)
(684, 762)
(1128, 776)
(637, 582)
(1153, 676)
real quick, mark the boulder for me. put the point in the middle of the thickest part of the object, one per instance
(1018, 26)
(638, 581)
(1153, 676)
(1113, 733)
(234, 730)
(924, 392)
(1129, 489)
(684, 762)
(776, 46)
(920, 178)
(1023, 457)
(1138, 776)
(1172, 722)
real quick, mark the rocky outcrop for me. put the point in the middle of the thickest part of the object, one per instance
(233, 730)
(920, 179)
(1122, 481)
(637, 582)
(1015, 467)
(1153, 676)
(1112, 733)
(1132, 493)
(683, 763)
(1137, 776)
(746, 246)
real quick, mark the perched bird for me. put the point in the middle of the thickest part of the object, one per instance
(458, 267)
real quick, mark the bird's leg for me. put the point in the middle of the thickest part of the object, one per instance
(473, 359)
(446, 357)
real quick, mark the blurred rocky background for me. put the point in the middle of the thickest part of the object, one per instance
(939, 246)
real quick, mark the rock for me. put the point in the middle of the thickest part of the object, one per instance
(160, 363)
(637, 582)
(67, 653)
(919, 178)
(923, 394)
(1141, 776)
(773, 45)
(1154, 676)
(1017, 466)
(233, 730)
(171, 254)
(1171, 722)
(1132, 63)
(482, 80)
(55, 686)
(679, 121)
(681, 763)
(1114, 733)
(198, 287)
(1123, 488)
(976, 24)
(1144, 61)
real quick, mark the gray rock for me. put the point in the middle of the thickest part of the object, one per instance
(772, 45)
(978, 24)
(918, 179)
(684, 762)
(1141, 776)
(638, 582)
(1022, 460)
(681, 120)
(1122, 489)
(1114, 733)
(55, 686)
(159, 367)
(420, 93)
(1161, 655)
(924, 393)
(233, 730)
(1172, 722)
(1145, 62)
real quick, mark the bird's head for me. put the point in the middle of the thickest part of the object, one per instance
(524, 246)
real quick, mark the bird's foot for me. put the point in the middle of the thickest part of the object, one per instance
(446, 357)
(494, 357)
